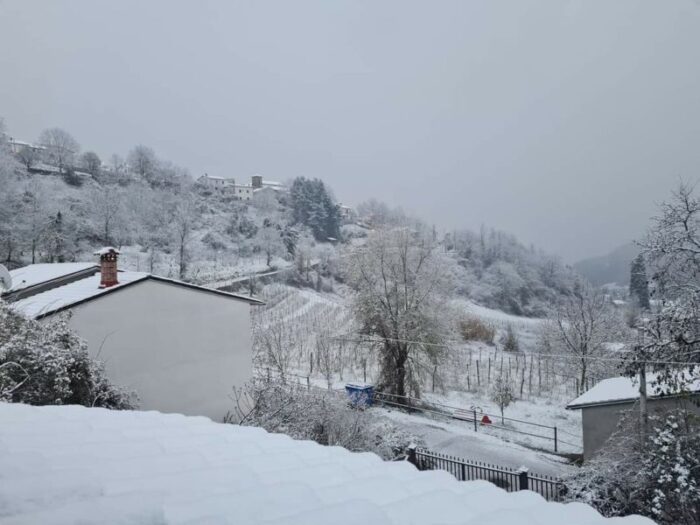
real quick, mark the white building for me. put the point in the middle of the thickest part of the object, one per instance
(218, 184)
(181, 347)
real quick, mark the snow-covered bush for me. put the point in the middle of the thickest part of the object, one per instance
(318, 415)
(474, 329)
(658, 476)
(47, 364)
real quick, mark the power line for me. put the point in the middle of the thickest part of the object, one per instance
(451, 343)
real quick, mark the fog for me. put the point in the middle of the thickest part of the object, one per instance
(563, 122)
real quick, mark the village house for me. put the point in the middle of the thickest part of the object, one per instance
(182, 348)
(243, 192)
(603, 406)
(215, 183)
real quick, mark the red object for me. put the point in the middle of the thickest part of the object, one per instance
(108, 267)
(485, 420)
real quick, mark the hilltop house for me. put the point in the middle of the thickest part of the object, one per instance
(181, 347)
(242, 192)
(214, 183)
(603, 406)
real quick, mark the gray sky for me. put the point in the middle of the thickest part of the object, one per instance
(561, 121)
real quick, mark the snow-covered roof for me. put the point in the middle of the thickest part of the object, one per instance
(69, 294)
(40, 303)
(106, 250)
(71, 464)
(619, 390)
(39, 273)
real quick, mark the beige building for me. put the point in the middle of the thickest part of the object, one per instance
(603, 407)
(181, 347)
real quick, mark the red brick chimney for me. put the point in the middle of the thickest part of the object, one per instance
(108, 266)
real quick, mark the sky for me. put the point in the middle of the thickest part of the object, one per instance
(564, 122)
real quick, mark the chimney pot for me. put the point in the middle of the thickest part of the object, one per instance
(108, 266)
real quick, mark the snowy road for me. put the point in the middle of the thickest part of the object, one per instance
(456, 439)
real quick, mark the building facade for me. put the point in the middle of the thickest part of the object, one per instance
(181, 348)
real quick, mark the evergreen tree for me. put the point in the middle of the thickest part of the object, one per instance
(639, 286)
(313, 206)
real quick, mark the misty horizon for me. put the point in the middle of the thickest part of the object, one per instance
(563, 123)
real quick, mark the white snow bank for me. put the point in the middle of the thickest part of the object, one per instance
(69, 464)
(622, 389)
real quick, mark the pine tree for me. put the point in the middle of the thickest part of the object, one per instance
(639, 286)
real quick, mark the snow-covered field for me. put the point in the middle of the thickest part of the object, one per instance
(309, 313)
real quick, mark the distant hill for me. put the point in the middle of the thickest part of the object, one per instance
(611, 268)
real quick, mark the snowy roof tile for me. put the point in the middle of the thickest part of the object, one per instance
(619, 390)
(70, 464)
(32, 300)
(69, 294)
(40, 273)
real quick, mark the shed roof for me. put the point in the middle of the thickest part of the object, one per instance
(70, 464)
(621, 390)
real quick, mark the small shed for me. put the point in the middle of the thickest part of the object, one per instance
(604, 405)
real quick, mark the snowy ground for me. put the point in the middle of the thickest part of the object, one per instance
(309, 311)
(457, 438)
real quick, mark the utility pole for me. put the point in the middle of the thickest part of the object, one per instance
(643, 412)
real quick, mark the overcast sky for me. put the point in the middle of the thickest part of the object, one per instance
(561, 121)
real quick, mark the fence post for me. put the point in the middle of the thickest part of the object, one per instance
(308, 383)
(524, 482)
(464, 471)
(411, 454)
(556, 441)
(476, 427)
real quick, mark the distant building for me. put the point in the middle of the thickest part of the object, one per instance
(217, 184)
(16, 146)
(243, 192)
(603, 406)
(347, 214)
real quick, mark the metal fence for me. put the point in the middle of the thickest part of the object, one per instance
(511, 480)
(474, 415)
(550, 437)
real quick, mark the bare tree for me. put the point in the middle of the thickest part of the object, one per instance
(671, 331)
(276, 345)
(34, 210)
(61, 147)
(401, 281)
(184, 215)
(142, 161)
(583, 324)
(91, 163)
(269, 241)
(28, 156)
(107, 204)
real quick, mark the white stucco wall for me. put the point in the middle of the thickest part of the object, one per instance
(181, 350)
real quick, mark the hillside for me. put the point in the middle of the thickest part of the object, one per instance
(613, 267)
(214, 230)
